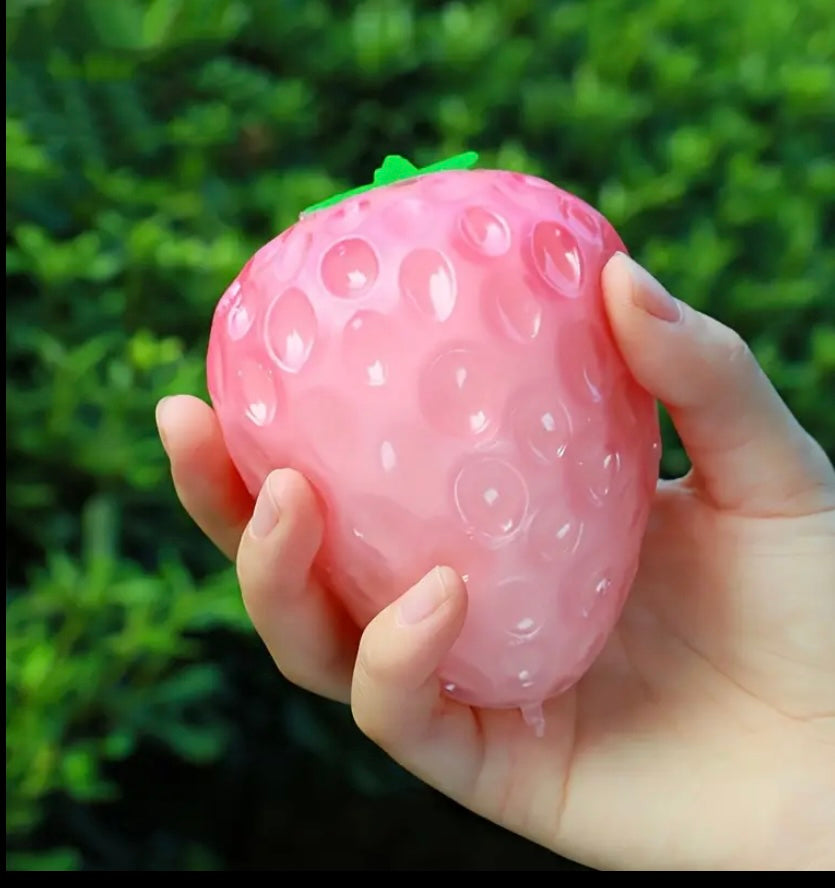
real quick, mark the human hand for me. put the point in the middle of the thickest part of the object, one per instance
(704, 735)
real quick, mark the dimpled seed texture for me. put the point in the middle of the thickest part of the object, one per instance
(433, 355)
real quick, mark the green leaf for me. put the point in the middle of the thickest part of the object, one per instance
(53, 860)
(395, 169)
(118, 25)
(158, 20)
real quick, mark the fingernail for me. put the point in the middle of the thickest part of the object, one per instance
(158, 415)
(265, 514)
(422, 600)
(650, 296)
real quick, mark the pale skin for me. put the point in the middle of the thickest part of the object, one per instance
(704, 736)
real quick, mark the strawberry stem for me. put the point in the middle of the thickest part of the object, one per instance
(396, 168)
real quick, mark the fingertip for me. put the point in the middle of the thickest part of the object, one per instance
(454, 583)
(266, 513)
(294, 496)
(159, 418)
(183, 422)
(628, 286)
(617, 285)
(614, 270)
(456, 597)
(284, 532)
(437, 591)
(289, 485)
(616, 280)
(180, 420)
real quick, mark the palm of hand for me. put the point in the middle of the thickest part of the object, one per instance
(659, 753)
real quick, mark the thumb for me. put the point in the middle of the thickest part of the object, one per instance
(749, 453)
(397, 699)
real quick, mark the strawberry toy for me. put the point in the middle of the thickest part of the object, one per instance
(431, 351)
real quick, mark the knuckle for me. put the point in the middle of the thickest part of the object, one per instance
(294, 673)
(736, 350)
(371, 722)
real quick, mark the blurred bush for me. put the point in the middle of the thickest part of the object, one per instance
(151, 147)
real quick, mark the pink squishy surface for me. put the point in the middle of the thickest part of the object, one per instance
(434, 357)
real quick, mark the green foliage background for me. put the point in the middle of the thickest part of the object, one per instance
(151, 148)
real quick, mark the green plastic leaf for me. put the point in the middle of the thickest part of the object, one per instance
(396, 168)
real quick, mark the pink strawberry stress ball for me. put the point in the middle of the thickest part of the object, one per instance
(431, 352)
